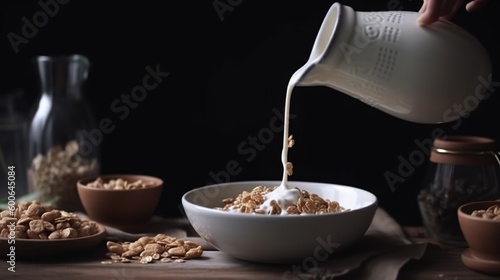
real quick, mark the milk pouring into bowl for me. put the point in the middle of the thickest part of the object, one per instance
(386, 60)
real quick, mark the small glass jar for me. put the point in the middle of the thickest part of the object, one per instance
(61, 148)
(462, 169)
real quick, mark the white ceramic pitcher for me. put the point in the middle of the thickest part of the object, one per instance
(423, 74)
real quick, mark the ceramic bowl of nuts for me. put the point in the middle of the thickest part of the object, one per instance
(262, 221)
(43, 231)
(480, 225)
(123, 201)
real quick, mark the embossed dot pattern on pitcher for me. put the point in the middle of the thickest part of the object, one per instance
(388, 61)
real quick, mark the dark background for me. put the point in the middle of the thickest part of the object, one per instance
(227, 80)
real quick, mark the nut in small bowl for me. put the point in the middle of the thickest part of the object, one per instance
(480, 225)
(120, 200)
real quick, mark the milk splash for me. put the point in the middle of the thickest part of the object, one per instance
(285, 195)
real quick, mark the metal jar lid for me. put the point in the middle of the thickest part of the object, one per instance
(464, 150)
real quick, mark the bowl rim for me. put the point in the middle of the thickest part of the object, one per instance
(374, 203)
(463, 214)
(157, 182)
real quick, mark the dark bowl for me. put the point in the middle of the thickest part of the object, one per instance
(482, 236)
(120, 208)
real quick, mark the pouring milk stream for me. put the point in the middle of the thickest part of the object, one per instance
(429, 75)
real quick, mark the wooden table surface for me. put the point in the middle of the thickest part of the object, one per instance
(437, 263)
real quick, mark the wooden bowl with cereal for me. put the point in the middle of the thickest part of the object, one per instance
(120, 200)
(480, 225)
(32, 230)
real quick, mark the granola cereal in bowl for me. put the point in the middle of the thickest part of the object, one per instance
(32, 229)
(124, 201)
(480, 225)
(256, 221)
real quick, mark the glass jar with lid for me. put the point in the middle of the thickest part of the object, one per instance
(462, 169)
(61, 149)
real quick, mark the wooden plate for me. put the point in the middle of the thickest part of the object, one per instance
(36, 248)
(480, 265)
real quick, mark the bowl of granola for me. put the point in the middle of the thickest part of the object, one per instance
(480, 225)
(124, 201)
(33, 230)
(271, 222)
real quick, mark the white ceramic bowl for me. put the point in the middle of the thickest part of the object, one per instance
(280, 239)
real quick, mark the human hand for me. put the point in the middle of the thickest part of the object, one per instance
(432, 10)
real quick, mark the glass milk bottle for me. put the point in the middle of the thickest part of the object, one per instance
(59, 150)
